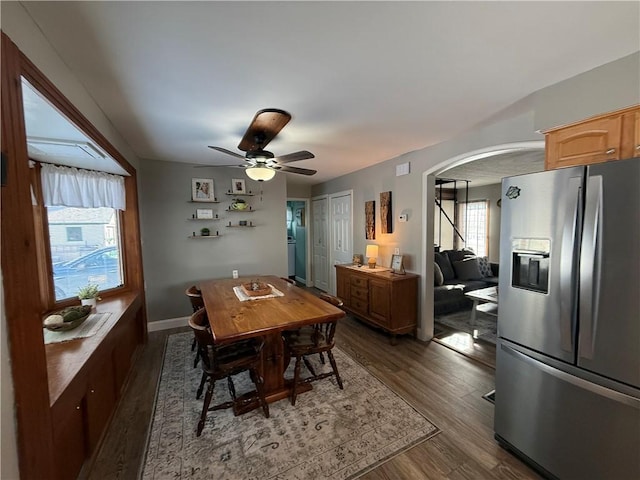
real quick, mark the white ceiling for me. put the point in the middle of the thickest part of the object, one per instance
(364, 81)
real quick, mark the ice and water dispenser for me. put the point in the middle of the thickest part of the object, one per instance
(530, 264)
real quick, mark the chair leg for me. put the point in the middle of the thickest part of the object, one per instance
(260, 389)
(321, 357)
(201, 387)
(205, 406)
(193, 344)
(196, 360)
(335, 368)
(296, 378)
(309, 366)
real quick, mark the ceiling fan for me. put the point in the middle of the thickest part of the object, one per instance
(261, 165)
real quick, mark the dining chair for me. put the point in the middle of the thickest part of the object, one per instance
(195, 297)
(224, 361)
(309, 341)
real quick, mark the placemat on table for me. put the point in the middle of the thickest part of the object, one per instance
(243, 297)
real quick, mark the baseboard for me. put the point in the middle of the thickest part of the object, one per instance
(302, 280)
(167, 324)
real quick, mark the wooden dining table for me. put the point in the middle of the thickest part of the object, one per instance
(232, 320)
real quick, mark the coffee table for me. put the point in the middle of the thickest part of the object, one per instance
(485, 300)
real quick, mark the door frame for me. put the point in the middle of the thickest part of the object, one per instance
(307, 246)
(424, 330)
(332, 273)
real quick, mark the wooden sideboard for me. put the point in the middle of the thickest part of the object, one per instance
(382, 298)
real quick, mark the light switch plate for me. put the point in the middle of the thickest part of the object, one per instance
(396, 251)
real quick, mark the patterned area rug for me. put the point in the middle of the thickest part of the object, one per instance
(330, 433)
(486, 325)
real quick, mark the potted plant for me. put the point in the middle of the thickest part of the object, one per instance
(205, 232)
(239, 204)
(88, 295)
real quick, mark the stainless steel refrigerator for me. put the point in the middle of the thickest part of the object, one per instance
(568, 352)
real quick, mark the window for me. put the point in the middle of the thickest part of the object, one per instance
(473, 223)
(74, 234)
(85, 248)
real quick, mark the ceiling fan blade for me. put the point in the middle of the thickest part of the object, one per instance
(263, 128)
(216, 166)
(228, 152)
(301, 171)
(294, 157)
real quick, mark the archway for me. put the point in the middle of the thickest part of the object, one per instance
(425, 330)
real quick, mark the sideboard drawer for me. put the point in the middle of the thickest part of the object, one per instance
(360, 305)
(359, 282)
(360, 293)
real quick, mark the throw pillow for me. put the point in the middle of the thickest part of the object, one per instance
(484, 267)
(445, 266)
(467, 269)
(457, 255)
(438, 277)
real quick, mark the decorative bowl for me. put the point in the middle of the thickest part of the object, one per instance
(256, 289)
(72, 318)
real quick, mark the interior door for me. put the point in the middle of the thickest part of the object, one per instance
(320, 257)
(341, 234)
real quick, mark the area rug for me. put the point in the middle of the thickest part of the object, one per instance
(486, 325)
(330, 433)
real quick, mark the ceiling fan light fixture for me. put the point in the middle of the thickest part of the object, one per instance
(260, 173)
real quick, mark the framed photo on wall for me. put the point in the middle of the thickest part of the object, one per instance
(202, 190)
(238, 186)
(204, 213)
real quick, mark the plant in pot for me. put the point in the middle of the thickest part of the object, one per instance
(88, 294)
(205, 232)
(239, 204)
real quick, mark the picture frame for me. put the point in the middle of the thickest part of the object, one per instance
(202, 190)
(238, 186)
(397, 264)
(204, 213)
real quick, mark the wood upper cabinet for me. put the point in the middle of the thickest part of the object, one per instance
(383, 299)
(613, 136)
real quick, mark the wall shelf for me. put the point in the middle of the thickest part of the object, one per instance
(240, 226)
(247, 210)
(204, 236)
(240, 194)
(198, 201)
(204, 219)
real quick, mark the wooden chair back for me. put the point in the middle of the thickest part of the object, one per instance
(195, 297)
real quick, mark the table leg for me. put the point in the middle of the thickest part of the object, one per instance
(473, 312)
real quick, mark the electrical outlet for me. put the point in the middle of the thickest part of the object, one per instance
(234, 273)
(396, 251)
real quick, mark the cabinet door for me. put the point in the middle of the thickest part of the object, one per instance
(123, 352)
(69, 442)
(594, 141)
(380, 301)
(342, 285)
(631, 134)
(101, 401)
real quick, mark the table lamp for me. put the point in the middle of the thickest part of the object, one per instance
(372, 254)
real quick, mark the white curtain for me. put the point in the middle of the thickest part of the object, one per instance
(74, 187)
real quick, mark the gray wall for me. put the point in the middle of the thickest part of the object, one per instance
(610, 87)
(173, 262)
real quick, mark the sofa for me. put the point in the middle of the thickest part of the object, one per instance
(457, 272)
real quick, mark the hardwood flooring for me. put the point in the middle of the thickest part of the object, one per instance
(442, 384)
(464, 343)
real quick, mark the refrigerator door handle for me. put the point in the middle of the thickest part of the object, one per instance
(568, 261)
(590, 267)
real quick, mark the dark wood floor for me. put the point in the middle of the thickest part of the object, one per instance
(444, 385)
(464, 343)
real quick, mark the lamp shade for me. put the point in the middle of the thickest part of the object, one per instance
(372, 251)
(261, 174)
